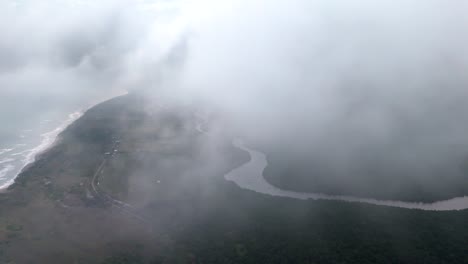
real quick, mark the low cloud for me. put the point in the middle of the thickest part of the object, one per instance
(348, 82)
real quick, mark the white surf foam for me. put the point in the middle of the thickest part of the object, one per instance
(47, 140)
(21, 153)
(5, 150)
(5, 170)
(7, 160)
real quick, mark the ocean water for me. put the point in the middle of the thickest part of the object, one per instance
(73, 64)
(31, 125)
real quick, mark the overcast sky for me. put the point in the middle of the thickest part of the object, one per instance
(328, 76)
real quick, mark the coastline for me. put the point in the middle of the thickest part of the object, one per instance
(48, 141)
(50, 138)
(187, 205)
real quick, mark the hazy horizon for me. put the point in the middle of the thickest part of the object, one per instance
(347, 84)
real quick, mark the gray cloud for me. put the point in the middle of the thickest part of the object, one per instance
(346, 83)
(357, 87)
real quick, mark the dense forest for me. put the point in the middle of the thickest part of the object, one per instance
(53, 214)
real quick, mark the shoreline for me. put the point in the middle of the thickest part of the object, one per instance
(49, 139)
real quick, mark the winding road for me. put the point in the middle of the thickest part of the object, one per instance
(103, 196)
(249, 176)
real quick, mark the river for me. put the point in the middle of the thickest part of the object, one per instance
(249, 176)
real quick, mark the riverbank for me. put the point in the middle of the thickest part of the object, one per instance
(250, 176)
(171, 171)
(292, 171)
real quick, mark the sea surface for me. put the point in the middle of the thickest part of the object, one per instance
(40, 91)
(29, 125)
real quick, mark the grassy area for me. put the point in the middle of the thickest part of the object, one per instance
(174, 176)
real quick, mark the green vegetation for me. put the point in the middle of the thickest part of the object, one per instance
(128, 258)
(55, 193)
(190, 213)
(14, 227)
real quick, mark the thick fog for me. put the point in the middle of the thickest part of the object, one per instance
(63, 56)
(358, 86)
(345, 82)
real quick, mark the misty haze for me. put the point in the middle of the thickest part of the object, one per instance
(233, 131)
